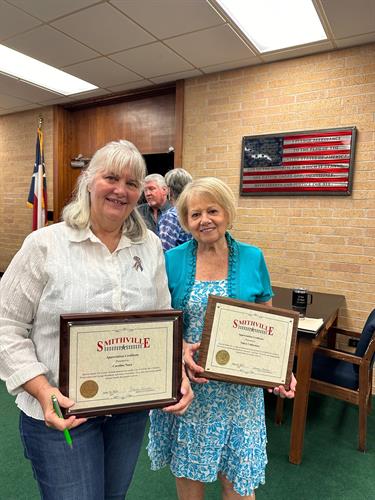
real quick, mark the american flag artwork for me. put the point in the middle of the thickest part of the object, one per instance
(298, 163)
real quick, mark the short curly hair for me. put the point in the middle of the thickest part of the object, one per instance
(206, 187)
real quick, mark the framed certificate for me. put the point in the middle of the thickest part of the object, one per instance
(120, 362)
(247, 343)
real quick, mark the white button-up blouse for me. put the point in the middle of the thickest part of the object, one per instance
(60, 270)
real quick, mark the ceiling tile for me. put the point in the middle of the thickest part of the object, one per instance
(152, 60)
(104, 29)
(17, 109)
(23, 90)
(131, 86)
(347, 18)
(162, 40)
(7, 101)
(355, 40)
(13, 21)
(51, 9)
(250, 61)
(51, 46)
(183, 75)
(76, 97)
(102, 72)
(187, 16)
(211, 46)
(298, 51)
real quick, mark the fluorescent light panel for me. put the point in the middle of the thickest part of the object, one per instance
(31, 70)
(275, 24)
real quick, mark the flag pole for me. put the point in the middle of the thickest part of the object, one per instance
(38, 188)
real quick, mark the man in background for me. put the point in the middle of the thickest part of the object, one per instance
(156, 194)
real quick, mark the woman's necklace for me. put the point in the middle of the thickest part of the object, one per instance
(232, 258)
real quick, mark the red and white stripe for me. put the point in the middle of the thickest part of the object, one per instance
(310, 162)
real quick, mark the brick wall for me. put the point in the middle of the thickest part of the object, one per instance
(323, 243)
(17, 156)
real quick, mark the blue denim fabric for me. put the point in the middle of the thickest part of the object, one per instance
(99, 466)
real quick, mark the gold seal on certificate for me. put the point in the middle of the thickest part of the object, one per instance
(222, 357)
(89, 389)
(120, 362)
(247, 343)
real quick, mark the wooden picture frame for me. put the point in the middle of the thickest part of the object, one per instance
(120, 362)
(247, 343)
(312, 162)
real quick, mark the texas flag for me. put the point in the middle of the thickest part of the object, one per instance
(38, 188)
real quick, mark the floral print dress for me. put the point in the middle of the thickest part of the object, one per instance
(224, 428)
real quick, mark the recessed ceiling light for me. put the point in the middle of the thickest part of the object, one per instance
(32, 71)
(275, 24)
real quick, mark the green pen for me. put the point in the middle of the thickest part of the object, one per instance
(56, 407)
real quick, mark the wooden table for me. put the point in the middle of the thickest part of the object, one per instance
(326, 306)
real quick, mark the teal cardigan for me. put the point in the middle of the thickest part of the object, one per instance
(248, 277)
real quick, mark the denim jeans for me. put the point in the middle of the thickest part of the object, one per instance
(99, 466)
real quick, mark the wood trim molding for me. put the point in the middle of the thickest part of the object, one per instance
(61, 148)
(130, 95)
(179, 123)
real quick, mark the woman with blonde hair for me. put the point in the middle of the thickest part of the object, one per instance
(101, 258)
(222, 434)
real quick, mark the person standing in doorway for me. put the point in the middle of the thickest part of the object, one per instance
(156, 194)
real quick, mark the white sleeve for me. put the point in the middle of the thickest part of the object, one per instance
(20, 289)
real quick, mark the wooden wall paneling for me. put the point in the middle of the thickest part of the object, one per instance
(179, 123)
(62, 172)
(149, 120)
(84, 128)
(148, 123)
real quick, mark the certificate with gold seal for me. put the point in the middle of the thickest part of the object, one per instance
(120, 362)
(248, 343)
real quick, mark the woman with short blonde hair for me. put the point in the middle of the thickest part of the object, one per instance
(222, 434)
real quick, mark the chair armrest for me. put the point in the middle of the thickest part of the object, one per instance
(370, 351)
(340, 331)
(342, 356)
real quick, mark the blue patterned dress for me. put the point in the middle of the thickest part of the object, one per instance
(224, 428)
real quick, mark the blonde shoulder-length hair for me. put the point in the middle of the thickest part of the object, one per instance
(206, 187)
(116, 157)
